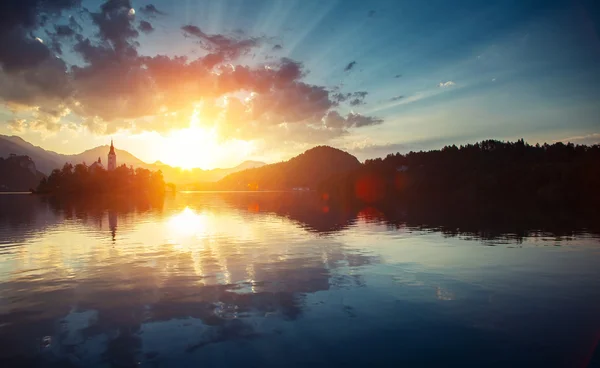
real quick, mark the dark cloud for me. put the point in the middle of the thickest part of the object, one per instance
(350, 66)
(64, 30)
(29, 14)
(334, 120)
(341, 97)
(358, 120)
(396, 98)
(74, 24)
(115, 24)
(288, 71)
(355, 98)
(151, 10)
(277, 47)
(116, 88)
(19, 49)
(42, 85)
(295, 102)
(218, 43)
(145, 27)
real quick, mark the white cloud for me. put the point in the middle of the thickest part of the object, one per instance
(588, 139)
(17, 125)
(446, 84)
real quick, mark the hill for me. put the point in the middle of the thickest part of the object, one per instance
(46, 161)
(487, 175)
(18, 173)
(91, 155)
(192, 179)
(306, 170)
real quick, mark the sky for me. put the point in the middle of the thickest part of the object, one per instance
(208, 84)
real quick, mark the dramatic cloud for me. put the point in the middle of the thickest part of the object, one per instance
(19, 49)
(64, 30)
(145, 27)
(341, 97)
(44, 85)
(115, 24)
(151, 10)
(350, 66)
(446, 84)
(17, 125)
(334, 120)
(115, 88)
(355, 98)
(358, 120)
(230, 47)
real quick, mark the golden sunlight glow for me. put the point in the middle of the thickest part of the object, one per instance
(190, 147)
(200, 146)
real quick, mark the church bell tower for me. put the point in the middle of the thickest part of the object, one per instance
(112, 157)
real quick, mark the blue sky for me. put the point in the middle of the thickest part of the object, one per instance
(435, 73)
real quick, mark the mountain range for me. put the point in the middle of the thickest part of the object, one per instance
(46, 161)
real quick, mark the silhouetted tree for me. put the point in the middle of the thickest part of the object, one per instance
(81, 180)
(483, 173)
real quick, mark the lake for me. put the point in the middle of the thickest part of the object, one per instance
(289, 280)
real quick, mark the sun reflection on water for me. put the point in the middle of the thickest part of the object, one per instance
(187, 223)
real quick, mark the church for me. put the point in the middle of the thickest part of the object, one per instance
(112, 160)
(112, 157)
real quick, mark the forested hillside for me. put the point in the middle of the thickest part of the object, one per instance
(306, 170)
(484, 173)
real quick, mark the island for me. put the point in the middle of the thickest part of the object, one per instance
(94, 180)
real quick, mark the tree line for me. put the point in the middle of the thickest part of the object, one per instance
(487, 173)
(84, 180)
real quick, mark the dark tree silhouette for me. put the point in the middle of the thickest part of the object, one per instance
(81, 180)
(482, 174)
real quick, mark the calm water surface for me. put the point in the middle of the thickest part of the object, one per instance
(282, 280)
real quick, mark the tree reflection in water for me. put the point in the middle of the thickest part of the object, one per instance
(128, 282)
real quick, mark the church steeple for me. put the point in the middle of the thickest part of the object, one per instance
(112, 157)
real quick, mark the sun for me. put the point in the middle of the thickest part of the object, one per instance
(190, 147)
(201, 145)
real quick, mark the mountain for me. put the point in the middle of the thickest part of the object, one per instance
(46, 161)
(192, 179)
(306, 170)
(91, 155)
(18, 173)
